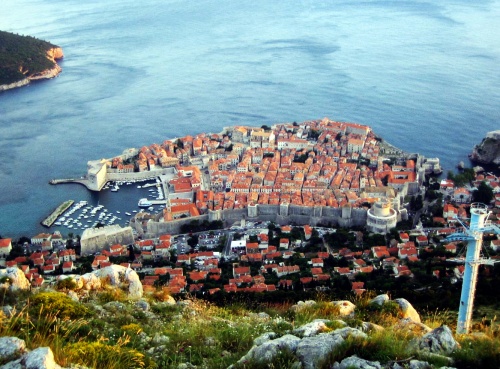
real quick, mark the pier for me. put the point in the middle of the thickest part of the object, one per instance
(83, 181)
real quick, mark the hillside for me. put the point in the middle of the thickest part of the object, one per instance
(102, 320)
(24, 58)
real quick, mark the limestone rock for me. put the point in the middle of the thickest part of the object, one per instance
(410, 326)
(358, 363)
(418, 364)
(11, 348)
(349, 332)
(408, 310)
(313, 350)
(367, 327)
(346, 308)
(264, 337)
(439, 341)
(380, 299)
(40, 358)
(302, 304)
(268, 350)
(117, 276)
(311, 329)
(16, 279)
(488, 151)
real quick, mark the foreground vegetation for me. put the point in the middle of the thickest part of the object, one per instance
(105, 330)
(20, 55)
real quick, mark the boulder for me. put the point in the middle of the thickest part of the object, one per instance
(267, 351)
(311, 329)
(349, 332)
(15, 279)
(346, 308)
(11, 348)
(410, 326)
(438, 341)
(302, 304)
(408, 311)
(380, 299)
(367, 327)
(358, 363)
(264, 337)
(312, 351)
(418, 364)
(40, 358)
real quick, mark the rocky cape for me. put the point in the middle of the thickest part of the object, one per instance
(488, 151)
(53, 54)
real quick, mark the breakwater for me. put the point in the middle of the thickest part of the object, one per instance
(47, 222)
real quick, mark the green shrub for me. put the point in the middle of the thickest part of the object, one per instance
(66, 284)
(103, 356)
(61, 304)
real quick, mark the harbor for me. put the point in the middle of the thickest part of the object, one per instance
(116, 203)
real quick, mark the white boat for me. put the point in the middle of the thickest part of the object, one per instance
(118, 212)
(127, 213)
(144, 203)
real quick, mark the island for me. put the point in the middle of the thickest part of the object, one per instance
(25, 58)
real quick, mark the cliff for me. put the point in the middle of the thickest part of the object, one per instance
(25, 58)
(488, 151)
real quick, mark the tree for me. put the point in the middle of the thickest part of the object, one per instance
(193, 241)
(484, 194)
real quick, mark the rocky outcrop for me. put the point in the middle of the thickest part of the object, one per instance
(488, 151)
(114, 275)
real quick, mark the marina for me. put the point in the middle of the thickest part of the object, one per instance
(106, 209)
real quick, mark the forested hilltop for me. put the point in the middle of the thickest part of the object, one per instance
(25, 57)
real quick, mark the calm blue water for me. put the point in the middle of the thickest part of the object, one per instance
(423, 74)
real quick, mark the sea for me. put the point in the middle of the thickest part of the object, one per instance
(423, 74)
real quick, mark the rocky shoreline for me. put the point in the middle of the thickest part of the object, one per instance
(488, 151)
(53, 54)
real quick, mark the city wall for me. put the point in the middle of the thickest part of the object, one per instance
(138, 176)
(282, 215)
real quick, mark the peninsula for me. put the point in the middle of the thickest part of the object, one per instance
(319, 171)
(25, 58)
